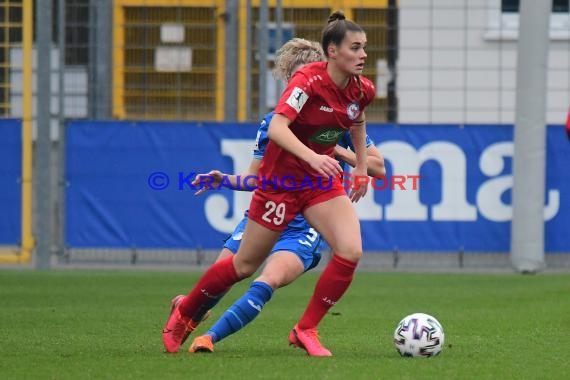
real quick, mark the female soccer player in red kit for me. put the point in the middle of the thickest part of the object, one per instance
(321, 101)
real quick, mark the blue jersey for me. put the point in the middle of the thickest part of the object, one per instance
(262, 138)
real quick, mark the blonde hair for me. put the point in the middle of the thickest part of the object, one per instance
(294, 53)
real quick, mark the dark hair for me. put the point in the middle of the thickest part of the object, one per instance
(336, 29)
(334, 33)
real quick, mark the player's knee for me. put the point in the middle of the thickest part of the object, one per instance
(350, 253)
(245, 269)
(274, 281)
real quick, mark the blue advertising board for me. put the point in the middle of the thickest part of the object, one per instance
(448, 187)
(10, 181)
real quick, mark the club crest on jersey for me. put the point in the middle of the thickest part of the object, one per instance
(327, 135)
(353, 110)
(297, 99)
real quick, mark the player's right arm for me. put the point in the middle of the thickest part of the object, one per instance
(293, 99)
(282, 135)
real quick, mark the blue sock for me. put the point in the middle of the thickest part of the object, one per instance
(243, 311)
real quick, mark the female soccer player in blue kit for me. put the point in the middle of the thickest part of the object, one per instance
(326, 100)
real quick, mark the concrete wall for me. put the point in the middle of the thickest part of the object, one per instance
(455, 67)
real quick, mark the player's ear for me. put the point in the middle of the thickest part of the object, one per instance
(331, 50)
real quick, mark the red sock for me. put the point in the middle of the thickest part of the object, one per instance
(332, 284)
(214, 282)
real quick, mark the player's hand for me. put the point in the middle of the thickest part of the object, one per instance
(207, 181)
(325, 165)
(359, 184)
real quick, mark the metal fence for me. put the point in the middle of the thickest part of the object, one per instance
(171, 59)
(437, 61)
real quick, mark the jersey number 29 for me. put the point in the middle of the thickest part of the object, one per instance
(274, 209)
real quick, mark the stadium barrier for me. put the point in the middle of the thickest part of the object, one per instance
(129, 186)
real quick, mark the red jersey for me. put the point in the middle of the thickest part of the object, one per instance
(320, 113)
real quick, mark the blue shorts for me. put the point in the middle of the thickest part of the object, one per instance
(307, 243)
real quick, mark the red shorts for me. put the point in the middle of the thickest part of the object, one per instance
(274, 210)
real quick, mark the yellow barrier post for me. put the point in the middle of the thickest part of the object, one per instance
(27, 235)
(27, 243)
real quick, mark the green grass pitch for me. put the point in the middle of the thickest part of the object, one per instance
(107, 325)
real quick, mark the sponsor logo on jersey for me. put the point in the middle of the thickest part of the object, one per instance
(326, 109)
(327, 135)
(353, 110)
(297, 99)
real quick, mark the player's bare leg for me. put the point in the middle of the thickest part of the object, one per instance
(337, 222)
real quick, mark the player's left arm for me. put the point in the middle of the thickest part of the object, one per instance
(374, 159)
(358, 137)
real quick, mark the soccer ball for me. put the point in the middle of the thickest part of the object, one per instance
(419, 335)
